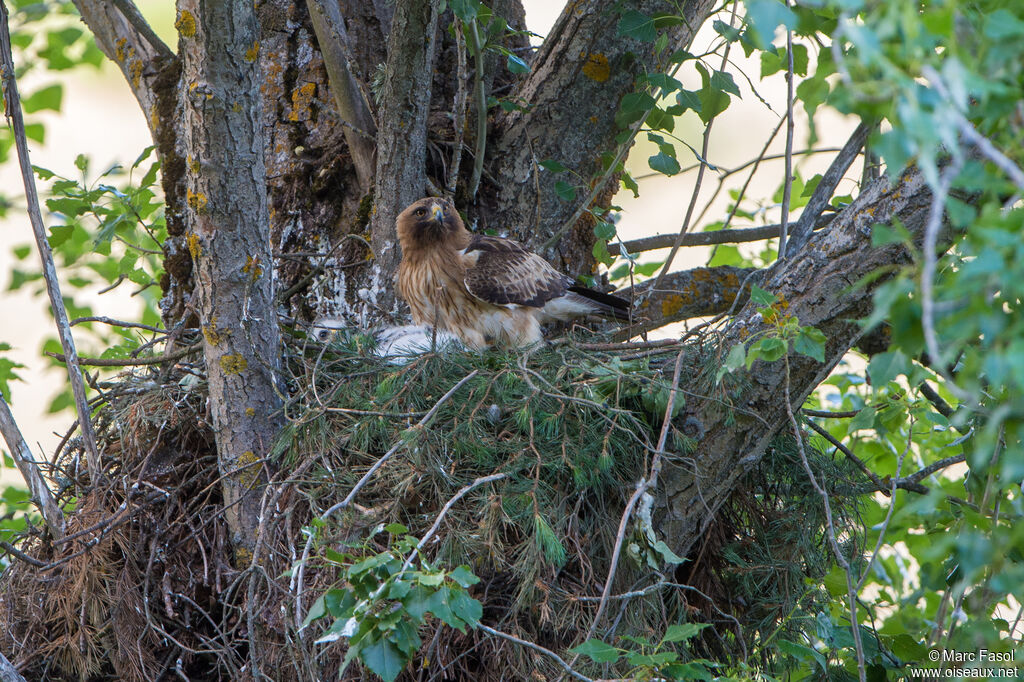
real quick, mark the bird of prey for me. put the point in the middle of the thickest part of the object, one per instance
(484, 290)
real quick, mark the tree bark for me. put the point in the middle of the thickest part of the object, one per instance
(229, 241)
(402, 139)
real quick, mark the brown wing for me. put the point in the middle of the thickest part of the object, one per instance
(501, 272)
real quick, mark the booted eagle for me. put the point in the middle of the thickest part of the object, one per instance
(484, 290)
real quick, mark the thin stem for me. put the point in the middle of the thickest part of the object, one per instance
(481, 109)
(787, 187)
(13, 101)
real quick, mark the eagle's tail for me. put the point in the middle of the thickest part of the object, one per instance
(603, 304)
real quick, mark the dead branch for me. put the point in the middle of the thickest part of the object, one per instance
(329, 26)
(826, 187)
(12, 101)
(41, 494)
(733, 236)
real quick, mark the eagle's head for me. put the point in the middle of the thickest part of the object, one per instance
(429, 220)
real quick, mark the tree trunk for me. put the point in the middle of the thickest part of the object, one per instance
(228, 237)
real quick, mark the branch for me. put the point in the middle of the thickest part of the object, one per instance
(684, 295)
(536, 647)
(329, 26)
(139, 23)
(123, 35)
(401, 176)
(12, 100)
(826, 187)
(41, 494)
(734, 236)
(135, 362)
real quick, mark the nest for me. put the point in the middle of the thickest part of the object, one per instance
(145, 586)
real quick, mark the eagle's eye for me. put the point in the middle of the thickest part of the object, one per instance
(421, 211)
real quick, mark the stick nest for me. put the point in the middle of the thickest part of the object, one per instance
(145, 586)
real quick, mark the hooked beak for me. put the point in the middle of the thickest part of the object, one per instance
(437, 213)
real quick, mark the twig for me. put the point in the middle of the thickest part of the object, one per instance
(481, 109)
(787, 186)
(131, 13)
(458, 108)
(422, 423)
(117, 323)
(18, 554)
(121, 362)
(929, 246)
(830, 529)
(12, 101)
(849, 454)
(536, 647)
(700, 177)
(41, 494)
(733, 236)
(642, 486)
(827, 186)
(830, 415)
(483, 480)
(892, 507)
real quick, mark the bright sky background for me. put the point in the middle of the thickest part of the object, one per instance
(102, 120)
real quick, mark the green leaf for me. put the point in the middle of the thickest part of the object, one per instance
(465, 607)
(810, 342)
(565, 191)
(679, 633)
(49, 97)
(597, 651)
(383, 658)
(317, 610)
(772, 348)
(637, 26)
(884, 367)
(761, 297)
(802, 653)
(552, 165)
(516, 65)
(464, 576)
(604, 230)
(720, 80)
(465, 9)
(663, 163)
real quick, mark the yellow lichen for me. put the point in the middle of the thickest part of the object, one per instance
(247, 469)
(253, 52)
(671, 305)
(119, 51)
(197, 201)
(250, 412)
(154, 117)
(193, 165)
(596, 68)
(135, 72)
(233, 363)
(211, 333)
(186, 24)
(252, 267)
(194, 247)
(302, 96)
(243, 557)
